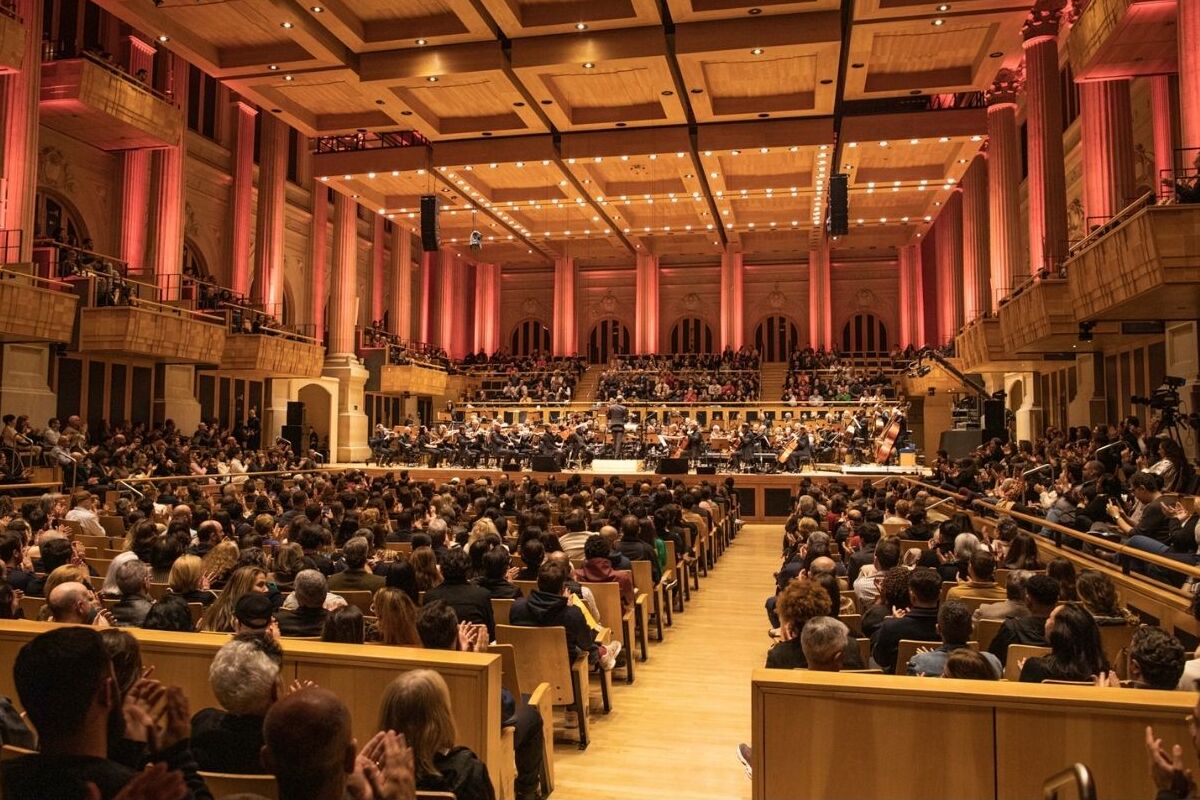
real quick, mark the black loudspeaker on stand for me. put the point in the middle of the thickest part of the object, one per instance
(545, 464)
(993, 420)
(672, 466)
(429, 223)
(839, 204)
(295, 435)
(295, 414)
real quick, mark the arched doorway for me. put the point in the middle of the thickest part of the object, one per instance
(529, 335)
(318, 407)
(194, 263)
(691, 335)
(609, 337)
(776, 337)
(56, 218)
(864, 333)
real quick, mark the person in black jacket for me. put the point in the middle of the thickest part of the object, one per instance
(470, 602)
(547, 607)
(920, 623)
(633, 547)
(870, 535)
(1041, 595)
(65, 682)
(308, 618)
(495, 575)
(245, 680)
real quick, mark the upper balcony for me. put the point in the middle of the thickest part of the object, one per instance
(1037, 318)
(35, 309)
(1124, 38)
(412, 379)
(12, 40)
(1143, 265)
(99, 103)
(980, 345)
(257, 346)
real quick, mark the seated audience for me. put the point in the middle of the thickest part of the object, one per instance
(954, 626)
(1075, 651)
(133, 582)
(346, 625)
(919, 623)
(1041, 596)
(1014, 603)
(308, 618)
(825, 642)
(800, 602)
(245, 679)
(355, 576)
(471, 603)
(970, 665)
(981, 574)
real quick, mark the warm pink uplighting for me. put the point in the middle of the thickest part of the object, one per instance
(1106, 136)
(646, 323)
(242, 200)
(565, 328)
(343, 286)
(268, 239)
(732, 282)
(1047, 179)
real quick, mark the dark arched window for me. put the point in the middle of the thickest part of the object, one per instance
(56, 219)
(528, 336)
(776, 337)
(608, 338)
(864, 333)
(691, 335)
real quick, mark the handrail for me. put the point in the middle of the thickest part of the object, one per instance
(1076, 775)
(51, 57)
(154, 305)
(230, 476)
(53, 283)
(1062, 530)
(1100, 231)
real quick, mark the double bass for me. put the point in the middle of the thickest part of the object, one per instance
(886, 443)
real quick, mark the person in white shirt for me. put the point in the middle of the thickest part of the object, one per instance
(573, 540)
(83, 511)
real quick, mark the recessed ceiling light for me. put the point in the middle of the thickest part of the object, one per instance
(316, 9)
(422, 42)
(272, 67)
(288, 78)
(758, 51)
(937, 23)
(581, 26)
(164, 38)
(754, 12)
(944, 7)
(432, 79)
(286, 25)
(588, 65)
(995, 54)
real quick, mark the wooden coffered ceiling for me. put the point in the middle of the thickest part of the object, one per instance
(608, 128)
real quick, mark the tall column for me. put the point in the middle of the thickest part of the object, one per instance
(487, 308)
(340, 361)
(564, 333)
(950, 267)
(168, 190)
(268, 231)
(820, 320)
(1162, 121)
(911, 304)
(1106, 136)
(1043, 115)
(400, 297)
(241, 207)
(379, 241)
(1187, 29)
(428, 329)
(135, 175)
(319, 257)
(454, 306)
(975, 240)
(732, 282)
(1005, 258)
(21, 92)
(646, 305)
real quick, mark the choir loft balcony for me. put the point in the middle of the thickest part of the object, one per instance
(1124, 38)
(980, 345)
(1037, 318)
(34, 309)
(269, 351)
(1145, 267)
(12, 41)
(411, 379)
(99, 103)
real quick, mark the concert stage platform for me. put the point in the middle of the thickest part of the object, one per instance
(764, 497)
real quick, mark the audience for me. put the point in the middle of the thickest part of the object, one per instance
(245, 678)
(1075, 650)
(954, 626)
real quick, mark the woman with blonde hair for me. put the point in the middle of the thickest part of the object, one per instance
(482, 528)
(187, 579)
(396, 616)
(425, 564)
(218, 617)
(417, 704)
(220, 561)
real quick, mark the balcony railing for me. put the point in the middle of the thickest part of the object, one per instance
(370, 140)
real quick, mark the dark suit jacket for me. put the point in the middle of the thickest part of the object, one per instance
(859, 559)
(470, 602)
(919, 624)
(1018, 630)
(354, 580)
(301, 622)
(131, 611)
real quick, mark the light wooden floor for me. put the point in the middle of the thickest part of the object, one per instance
(673, 733)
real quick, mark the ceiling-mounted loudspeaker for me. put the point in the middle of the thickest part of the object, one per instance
(429, 223)
(839, 204)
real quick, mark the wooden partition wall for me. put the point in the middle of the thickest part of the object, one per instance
(885, 737)
(356, 673)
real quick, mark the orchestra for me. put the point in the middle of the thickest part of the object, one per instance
(865, 434)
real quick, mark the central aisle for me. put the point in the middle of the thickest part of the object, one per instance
(674, 732)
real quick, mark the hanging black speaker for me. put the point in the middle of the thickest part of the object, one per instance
(429, 223)
(839, 204)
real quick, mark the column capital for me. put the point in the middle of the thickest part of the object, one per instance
(1004, 89)
(141, 45)
(1043, 20)
(244, 107)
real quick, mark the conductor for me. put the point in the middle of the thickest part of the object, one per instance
(616, 424)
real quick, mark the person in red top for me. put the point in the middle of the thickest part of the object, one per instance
(597, 568)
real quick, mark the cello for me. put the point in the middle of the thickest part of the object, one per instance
(886, 443)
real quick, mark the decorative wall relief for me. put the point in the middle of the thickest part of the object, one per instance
(54, 169)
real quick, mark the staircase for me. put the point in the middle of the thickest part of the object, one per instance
(770, 380)
(585, 388)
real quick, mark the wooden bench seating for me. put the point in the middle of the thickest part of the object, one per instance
(983, 740)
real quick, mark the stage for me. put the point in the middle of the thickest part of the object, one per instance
(764, 497)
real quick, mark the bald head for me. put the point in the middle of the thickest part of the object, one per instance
(308, 744)
(560, 558)
(70, 602)
(822, 565)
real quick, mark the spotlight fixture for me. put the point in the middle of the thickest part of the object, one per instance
(432, 79)
(422, 42)
(937, 23)
(588, 65)
(581, 26)
(286, 25)
(273, 67)
(289, 78)
(164, 38)
(1085, 331)
(316, 9)
(758, 51)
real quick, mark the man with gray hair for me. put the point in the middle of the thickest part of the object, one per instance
(437, 530)
(308, 618)
(1015, 604)
(824, 641)
(245, 679)
(133, 582)
(355, 576)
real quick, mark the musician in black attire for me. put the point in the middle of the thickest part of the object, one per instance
(694, 443)
(549, 447)
(802, 454)
(617, 414)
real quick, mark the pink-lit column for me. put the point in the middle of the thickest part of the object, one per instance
(1187, 29)
(343, 287)
(949, 244)
(1005, 258)
(168, 190)
(268, 236)
(975, 281)
(732, 283)
(135, 175)
(241, 206)
(454, 304)
(1043, 115)
(21, 92)
(565, 330)
(1162, 121)
(1106, 138)
(646, 305)
(378, 286)
(911, 305)
(318, 254)
(487, 308)
(428, 327)
(820, 321)
(400, 296)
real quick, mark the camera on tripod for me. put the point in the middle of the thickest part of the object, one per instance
(1164, 397)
